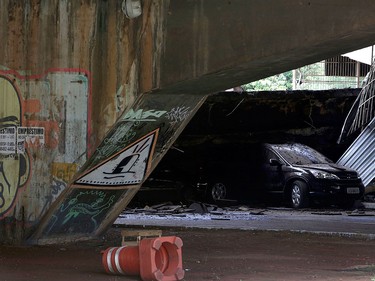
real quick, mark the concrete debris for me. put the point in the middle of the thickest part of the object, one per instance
(199, 215)
(199, 208)
(369, 205)
(216, 212)
(327, 213)
(358, 213)
(168, 208)
(220, 218)
(257, 213)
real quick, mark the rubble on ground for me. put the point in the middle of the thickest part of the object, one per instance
(226, 212)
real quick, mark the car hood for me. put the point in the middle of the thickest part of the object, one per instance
(328, 167)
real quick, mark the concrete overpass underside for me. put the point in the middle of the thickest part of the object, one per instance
(92, 100)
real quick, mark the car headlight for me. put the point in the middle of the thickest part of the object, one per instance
(324, 175)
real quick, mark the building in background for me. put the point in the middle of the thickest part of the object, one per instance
(344, 71)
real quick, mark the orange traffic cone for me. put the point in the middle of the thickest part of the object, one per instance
(121, 260)
(155, 259)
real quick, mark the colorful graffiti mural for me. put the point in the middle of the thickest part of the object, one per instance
(82, 211)
(44, 123)
(14, 159)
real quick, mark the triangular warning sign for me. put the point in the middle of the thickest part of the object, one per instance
(128, 167)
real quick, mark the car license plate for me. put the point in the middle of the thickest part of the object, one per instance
(352, 190)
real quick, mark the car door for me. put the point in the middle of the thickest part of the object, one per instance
(272, 171)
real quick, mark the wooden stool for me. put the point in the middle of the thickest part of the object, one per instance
(139, 233)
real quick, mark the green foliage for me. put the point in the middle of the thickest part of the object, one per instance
(308, 77)
(277, 82)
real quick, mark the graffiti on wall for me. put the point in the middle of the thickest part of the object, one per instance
(64, 171)
(127, 167)
(115, 142)
(178, 114)
(62, 174)
(121, 163)
(150, 114)
(143, 115)
(43, 120)
(82, 211)
(14, 159)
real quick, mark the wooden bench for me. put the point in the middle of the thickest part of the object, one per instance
(138, 233)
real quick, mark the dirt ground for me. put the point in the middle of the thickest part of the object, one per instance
(228, 255)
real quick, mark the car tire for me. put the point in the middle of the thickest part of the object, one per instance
(299, 195)
(217, 191)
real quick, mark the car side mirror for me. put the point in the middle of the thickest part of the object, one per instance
(275, 162)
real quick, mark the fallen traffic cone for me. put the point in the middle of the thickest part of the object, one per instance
(154, 259)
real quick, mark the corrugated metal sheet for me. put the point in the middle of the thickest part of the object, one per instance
(361, 154)
(363, 110)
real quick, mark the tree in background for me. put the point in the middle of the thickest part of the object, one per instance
(279, 82)
(308, 77)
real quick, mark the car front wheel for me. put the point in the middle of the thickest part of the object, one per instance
(218, 191)
(299, 195)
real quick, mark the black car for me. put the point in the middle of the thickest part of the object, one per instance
(302, 174)
(293, 172)
(230, 173)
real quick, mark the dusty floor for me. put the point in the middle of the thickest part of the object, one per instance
(228, 255)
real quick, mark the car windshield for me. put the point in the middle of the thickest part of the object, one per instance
(298, 154)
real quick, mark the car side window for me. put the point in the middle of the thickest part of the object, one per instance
(267, 155)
